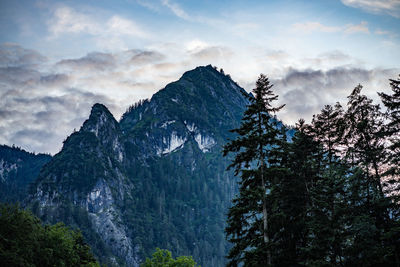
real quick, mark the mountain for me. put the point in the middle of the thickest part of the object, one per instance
(154, 179)
(18, 169)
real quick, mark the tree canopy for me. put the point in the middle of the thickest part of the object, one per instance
(163, 258)
(24, 241)
(326, 196)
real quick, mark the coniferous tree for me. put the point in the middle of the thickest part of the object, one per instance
(326, 221)
(365, 149)
(364, 137)
(298, 171)
(248, 219)
(392, 180)
(392, 129)
(327, 129)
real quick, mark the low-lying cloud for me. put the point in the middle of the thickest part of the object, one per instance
(41, 103)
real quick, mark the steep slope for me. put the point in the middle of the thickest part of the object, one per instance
(18, 169)
(84, 186)
(156, 179)
(177, 138)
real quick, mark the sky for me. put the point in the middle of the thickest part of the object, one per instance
(58, 58)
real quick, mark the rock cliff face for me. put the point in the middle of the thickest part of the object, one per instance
(155, 179)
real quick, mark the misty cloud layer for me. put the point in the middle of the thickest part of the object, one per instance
(305, 92)
(41, 103)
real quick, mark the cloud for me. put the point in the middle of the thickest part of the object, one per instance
(38, 109)
(121, 26)
(49, 119)
(360, 28)
(391, 7)
(66, 20)
(92, 61)
(176, 9)
(41, 102)
(54, 80)
(13, 55)
(382, 32)
(306, 91)
(213, 53)
(310, 27)
(145, 57)
(148, 4)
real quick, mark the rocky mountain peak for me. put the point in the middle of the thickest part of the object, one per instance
(100, 120)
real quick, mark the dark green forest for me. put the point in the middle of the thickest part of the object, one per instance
(327, 197)
(25, 241)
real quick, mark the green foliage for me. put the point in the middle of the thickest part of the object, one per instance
(163, 258)
(24, 241)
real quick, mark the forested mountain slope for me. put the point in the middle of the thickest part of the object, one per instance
(155, 179)
(18, 169)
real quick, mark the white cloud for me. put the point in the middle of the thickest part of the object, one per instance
(360, 28)
(391, 7)
(68, 20)
(196, 45)
(176, 9)
(120, 26)
(312, 26)
(309, 27)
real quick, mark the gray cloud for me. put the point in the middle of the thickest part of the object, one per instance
(17, 77)
(41, 123)
(213, 53)
(92, 61)
(305, 92)
(53, 80)
(42, 103)
(39, 109)
(13, 55)
(145, 57)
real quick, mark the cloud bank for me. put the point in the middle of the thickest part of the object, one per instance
(41, 103)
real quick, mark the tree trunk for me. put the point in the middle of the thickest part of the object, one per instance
(265, 212)
(265, 216)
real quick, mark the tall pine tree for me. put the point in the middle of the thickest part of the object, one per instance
(365, 147)
(248, 219)
(392, 130)
(327, 220)
(392, 175)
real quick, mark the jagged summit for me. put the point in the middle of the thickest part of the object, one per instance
(98, 116)
(103, 124)
(98, 109)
